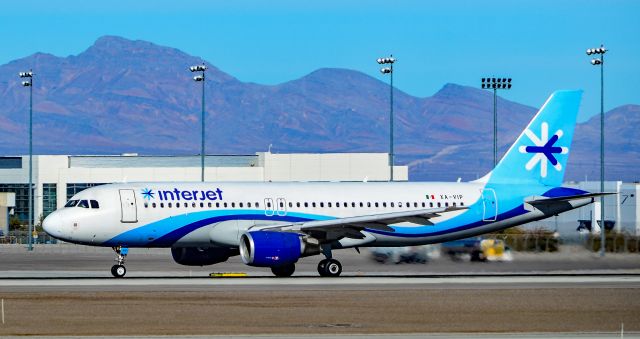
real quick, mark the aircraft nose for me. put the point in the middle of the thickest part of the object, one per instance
(52, 224)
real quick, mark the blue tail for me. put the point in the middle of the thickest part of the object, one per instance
(539, 155)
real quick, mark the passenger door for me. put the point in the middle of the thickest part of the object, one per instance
(490, 205)
(128, 206)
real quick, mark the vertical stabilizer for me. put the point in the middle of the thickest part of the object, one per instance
(539, 155)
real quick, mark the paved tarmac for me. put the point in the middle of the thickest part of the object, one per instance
(67, 290)
(84, 261)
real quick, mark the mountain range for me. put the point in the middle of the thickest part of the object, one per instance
(123, 96)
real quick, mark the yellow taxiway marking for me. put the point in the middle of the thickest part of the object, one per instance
(227, 275)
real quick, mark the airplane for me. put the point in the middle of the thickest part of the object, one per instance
(275, 224)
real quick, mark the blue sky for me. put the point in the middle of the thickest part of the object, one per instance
(540, 44)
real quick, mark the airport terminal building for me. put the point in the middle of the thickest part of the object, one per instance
(57, 178)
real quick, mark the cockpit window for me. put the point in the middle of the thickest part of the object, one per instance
(71, 203)
(94, 204)
(83, 204)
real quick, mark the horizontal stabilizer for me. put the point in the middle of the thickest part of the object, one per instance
(544, 200)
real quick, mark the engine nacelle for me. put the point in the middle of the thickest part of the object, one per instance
(272, 248)
(198, 256)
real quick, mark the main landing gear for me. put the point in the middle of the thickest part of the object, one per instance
(329, 267)
(119, 270)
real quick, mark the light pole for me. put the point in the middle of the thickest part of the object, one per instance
(600, 62)
(496, 84)
(28, 82)
(389, 70)
(200, 78)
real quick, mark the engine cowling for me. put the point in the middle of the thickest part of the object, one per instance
(271, 248)
(198, 256)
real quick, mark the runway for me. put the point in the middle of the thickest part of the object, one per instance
(69, 292)
(314, 283)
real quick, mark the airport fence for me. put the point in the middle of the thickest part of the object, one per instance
(22, 237)
(548, 242)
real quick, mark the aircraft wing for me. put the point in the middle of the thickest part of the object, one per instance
(350, 227)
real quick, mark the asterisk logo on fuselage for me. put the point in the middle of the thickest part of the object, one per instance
(147, 194)
(544, 149)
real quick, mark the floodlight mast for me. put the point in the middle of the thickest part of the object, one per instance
(495, 84)
(600, 62)
(389, 70)
(28, 82)
(201, 78)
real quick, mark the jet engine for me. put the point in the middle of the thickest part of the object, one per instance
(199, 256)
(272, 249)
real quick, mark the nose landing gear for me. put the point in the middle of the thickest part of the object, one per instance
(119, 270)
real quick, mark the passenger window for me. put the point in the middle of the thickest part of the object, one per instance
(225, 205)
(438, 204)
(430, 204)
(361, 205)
(209, 204)
(461, 204)
(400, 204)
(71, 203)
(94, 204)
(169, 205)
(368, 204)
(306, 204)
(83, 204)
(344, 204)
(297, 204)
(446, 204)
(376, 204)
(153, 205)
(328, 204)
(249, 204)
(201, 205)
(384, 204)
(146, 205)
(313, 204)
(161, 205)
(186, 205)
(392, 205)
(321, 204)
(415, 204)
(217, 205)
(193, 204)
(454, 204)
(257, 205)
(423, 205)
(268, 204)
(240, 205)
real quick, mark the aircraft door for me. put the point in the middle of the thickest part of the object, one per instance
(281, 207)
(269, 209)
(490, 205)
(128, 205)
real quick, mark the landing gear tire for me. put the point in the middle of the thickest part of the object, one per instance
(118, 271)
(321, 266)
(329, 268)
(283, 271)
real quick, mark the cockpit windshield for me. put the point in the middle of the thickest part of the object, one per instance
(83, 204)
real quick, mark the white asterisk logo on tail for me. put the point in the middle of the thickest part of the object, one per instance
(543, 149)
